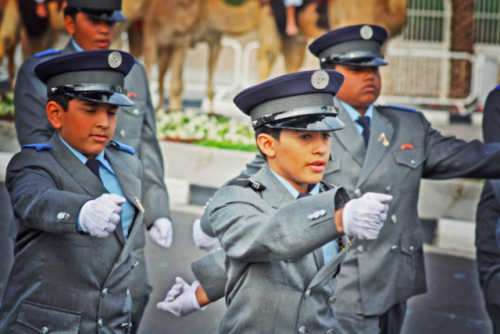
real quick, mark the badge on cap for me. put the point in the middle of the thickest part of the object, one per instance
(320, 79)
(114, 59)
(366, 32)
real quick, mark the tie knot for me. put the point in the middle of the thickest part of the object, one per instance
(93, 165)
(364, 121)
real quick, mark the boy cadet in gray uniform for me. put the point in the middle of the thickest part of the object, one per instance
(76, 201)
(283, 254)
(92, 26)
(382, 149)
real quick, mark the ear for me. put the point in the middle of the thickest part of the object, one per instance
(267, 145)
(70, 24)
(54, 114)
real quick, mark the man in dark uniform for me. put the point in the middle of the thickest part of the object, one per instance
(488, 219)
(382, 149)
(92, 26)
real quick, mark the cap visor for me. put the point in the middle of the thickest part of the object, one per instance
(364, 62)
(116, 15)
(309, 123)
(116, 99)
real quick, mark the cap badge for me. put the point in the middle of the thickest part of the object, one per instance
(320, 79)
(114, 59)
(366, 32)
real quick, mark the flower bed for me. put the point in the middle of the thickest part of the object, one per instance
(7, 107)
(207, 130)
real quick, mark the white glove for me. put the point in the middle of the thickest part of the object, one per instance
(162, 232)
(364, 217)
(202, 240)
(181, 299)
(99, 217)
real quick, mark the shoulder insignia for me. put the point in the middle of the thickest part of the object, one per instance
(39, 147)
(497, 87)
(398, 108)
(247, 183)
(121, 147)
(46, 53)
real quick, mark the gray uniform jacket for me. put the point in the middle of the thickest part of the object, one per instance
(135, 127)
(277, 281)
(381, 273)
(62, 280)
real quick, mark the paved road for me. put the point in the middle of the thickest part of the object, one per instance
(453, 304)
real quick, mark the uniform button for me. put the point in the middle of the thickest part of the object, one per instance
(322, 213)
(393, 248)
(330, 331)
(45, 330)
(357, 192)
(316, 215)
(122, 133)
(136, 263)
(128, 292)
(302, 330)
(394, 219)
(361, 249)
(105, 293)
(332, 300)
(307, 294)
(412, 161)
(388, 189)
(125, 324)
(99, 323)
(136, 111)
(411, 248)
(63, 216)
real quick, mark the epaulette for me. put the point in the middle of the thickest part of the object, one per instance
(497, 87)
(398, 108)
(137, 61)
(122, 147)
(46, 53)
(39, 147)
(247, 183)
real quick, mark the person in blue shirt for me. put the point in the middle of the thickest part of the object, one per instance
(77, 204)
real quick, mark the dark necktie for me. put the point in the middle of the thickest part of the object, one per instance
(301, 195)
(364, 121)
(93, 165)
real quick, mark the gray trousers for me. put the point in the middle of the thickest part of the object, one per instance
(391, 322)
(488, 265)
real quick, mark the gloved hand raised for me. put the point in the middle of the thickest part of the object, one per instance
(99, 217)
(364, 217)
(181, 299)
(202, 240)
(162, 232)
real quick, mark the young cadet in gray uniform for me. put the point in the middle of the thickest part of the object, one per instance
(488, 216)
(382, 149)
(92, 25)
(76, 201)
(281, 229)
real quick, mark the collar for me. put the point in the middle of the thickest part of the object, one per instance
(354, 114)
(314, 191)
(101, 157)
(76, 46)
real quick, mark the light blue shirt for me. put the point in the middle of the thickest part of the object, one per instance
(76, 46)
(331, 249)
(111, 184)
(354, 114)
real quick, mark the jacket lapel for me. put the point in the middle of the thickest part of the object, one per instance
(350, 137)
(78, 171)
(131, 187)
(376, 149)
(69, 48)
(276, 195)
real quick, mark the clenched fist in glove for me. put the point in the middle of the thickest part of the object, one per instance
(202, 240)
(99, 217)
(181, 299)
(162, 232)
(364, 217)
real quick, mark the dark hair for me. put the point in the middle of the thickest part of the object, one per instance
(328, 66)
(72, 12)
(61, 99)
(275, 133)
